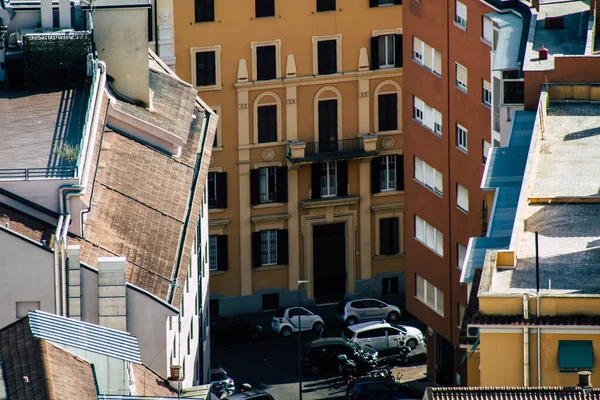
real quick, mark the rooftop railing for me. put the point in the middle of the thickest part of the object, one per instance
(354, 145)
(37, 173)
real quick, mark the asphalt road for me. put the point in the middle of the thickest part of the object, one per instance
(272, 364)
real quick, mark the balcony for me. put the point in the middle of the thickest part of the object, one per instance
(306, 152)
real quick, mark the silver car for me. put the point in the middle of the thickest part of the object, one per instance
(354, 311)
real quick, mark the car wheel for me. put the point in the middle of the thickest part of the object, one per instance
(317, 327)
(286, 331)
(393, 316)
(412, 343)
(351, 321)
(314, 369)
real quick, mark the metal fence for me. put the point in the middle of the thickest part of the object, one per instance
(37, 173)
(354, 145)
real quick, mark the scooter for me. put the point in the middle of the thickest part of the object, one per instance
(403, 351)
(348, 368)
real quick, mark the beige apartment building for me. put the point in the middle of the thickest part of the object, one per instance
(306, 179)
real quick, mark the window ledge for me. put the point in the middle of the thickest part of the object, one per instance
(267, 205)
(270, 268)
(208, 88)
(423, 65)
(439, 135)
(463, 27)
(219, 222)
(269, 218)
(460, 88)
(486, 42)
(387, 206)
(388, 193)
(385, 257)
(385, 133)
(440, 195)
(261, 145)
(462, 150)
(216, 149)
(217, 273)
(330, 201)
(428, 306)
(462, 210)
(428, 248)
(215, 210)
(486, 105)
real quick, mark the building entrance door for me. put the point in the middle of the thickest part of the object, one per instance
(329, 262)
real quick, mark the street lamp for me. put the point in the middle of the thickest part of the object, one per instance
(300, 344)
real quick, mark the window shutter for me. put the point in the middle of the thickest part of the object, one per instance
(254, 186)
(400, 172)
(375, 52)
(282, 189)
(322, 50)
(267, 124)
(398, 50)
(265, 8)
(205, 68)
(282, 247)
(384, 236)
(256, 254)
(266, 63)
(316, 180)
(394, 232)
(327, 57)
(222, 260)
(342, 178)
(375, 168)
(221, 189)
(373, 3)
(272, 123)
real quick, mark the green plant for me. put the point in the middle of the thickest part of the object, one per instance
(67, 151)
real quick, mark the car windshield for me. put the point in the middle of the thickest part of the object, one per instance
(348, 333)
(218, 376)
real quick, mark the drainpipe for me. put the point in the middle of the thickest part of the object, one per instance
(57, 235)
(526, 351)
(539, 345)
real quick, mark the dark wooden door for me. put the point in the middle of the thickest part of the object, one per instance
(328, 126)
(329, 262)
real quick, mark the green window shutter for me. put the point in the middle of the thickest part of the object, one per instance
(575, 355)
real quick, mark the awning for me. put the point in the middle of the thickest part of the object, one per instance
(575, 355)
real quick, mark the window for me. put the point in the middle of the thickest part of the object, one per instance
(265, 8)
(486, 94)
(266, 62)
(462, 198)
(575, 355)
(387, 173)
(206, 68)
(204, 10)
(267, 123)
(387, 112)
(329, 179)
(212, 253)
(428, 176)
(460, 314)
(485, 149)
(327, 57)
(325, 5)
(461, 15)
(217, 190)
(217, 141)
(427, 116)
(390, 286)
(418, 109)
(270, 301)
(389, 243)
(386, 51)
(430, 295)
(487, 33)
(23, 307)
(462, 136)
(379, 3)
(461, 252)
(268, 185)
(429, 236)
(217, 253)
(514, 92)
(270, 247)
(427, 56)
(461, 77)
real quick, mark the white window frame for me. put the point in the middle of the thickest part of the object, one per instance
(331, 173)
(462, 138)
(461, 253)
(390, 185)
(428, 176)
(486, 94)
(459, 83)
(268, 247)
(460, 15)
(487, 34)
(418, 109)
(273, 101)
(213, 261)
(437, 122)
(485, 149)
(428, 236)
(418, 50)
(254, 46)
(462, 198)
(315, 42)
(438, 308)
(219, 139)
(217, 50)
(387, 39)
(263, 178)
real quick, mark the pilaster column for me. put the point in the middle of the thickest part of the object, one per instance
(364, 120)
(244, 195)
(365, 218)
(291, 113)
(293, 229)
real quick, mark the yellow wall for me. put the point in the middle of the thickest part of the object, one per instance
(501, 358)
(473, 360)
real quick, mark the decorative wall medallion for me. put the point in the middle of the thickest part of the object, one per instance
(387, 142)
(268, 154)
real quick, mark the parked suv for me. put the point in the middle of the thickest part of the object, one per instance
(321, 354)
(354, 311)
(382, 336)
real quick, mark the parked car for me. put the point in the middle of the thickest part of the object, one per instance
(414, 336)
(355, 311)
(286, 321)
(322, 354)
(250, 394)
(369, 388)
(221, 382)
(229, 330)
(382, 336)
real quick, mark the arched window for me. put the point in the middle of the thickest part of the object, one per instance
(328, 118)
(267, 118)
(388, 107)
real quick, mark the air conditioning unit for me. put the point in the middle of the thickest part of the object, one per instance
(472, 331)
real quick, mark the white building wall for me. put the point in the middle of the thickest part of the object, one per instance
(204, 373)
(43, 192)
(27, 271)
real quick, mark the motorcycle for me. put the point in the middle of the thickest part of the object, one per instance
(351, 369)
(403, 352)
(221, 389)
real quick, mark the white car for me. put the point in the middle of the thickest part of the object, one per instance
(382, 336)
(286, 321)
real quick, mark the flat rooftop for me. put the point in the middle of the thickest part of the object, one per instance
(569, 158)
(38, 123)
(561, 27)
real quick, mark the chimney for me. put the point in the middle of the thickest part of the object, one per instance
(74, 280)
(64, 13)
(112, 300)
(121, 38)
(584, 379)
(46, 11)
(175, 377)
